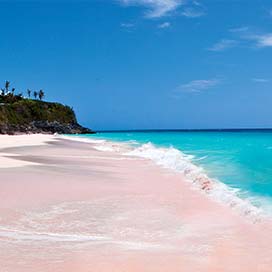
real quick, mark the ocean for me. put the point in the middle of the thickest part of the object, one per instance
(239, 161)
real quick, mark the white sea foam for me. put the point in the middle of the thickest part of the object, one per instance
(50, 237)
(176, 160)
(82, 139)
(100, 145)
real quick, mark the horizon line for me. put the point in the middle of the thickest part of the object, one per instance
(188, 130)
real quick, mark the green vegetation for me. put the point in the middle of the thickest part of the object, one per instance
(9, 96)
(17, 110)
(23, 111)
(20, 114)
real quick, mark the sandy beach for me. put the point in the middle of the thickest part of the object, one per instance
(66, 206)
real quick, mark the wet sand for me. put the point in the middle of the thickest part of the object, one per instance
(65, 206)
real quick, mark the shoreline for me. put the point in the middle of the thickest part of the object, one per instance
(72, 208)
(193, 174)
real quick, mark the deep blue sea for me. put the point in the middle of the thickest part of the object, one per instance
(240, 159)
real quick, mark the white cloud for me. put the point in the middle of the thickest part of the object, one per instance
(239, 29)
(164, 25)
(156, 8)
(244, 37)
(260, 80)
(264, 40)
(259, 40)
(197, 86)
(223, 45)
(192, 13)
(127, 25)
(196, 3)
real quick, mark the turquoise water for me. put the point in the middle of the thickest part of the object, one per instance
(242, 160)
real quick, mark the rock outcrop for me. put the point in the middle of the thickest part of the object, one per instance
(34, 116)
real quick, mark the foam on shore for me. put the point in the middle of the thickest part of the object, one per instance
(176, 160)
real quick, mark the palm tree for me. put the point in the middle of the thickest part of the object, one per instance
(28, 93)
(41, 94)
(7, 84)
(35, 94)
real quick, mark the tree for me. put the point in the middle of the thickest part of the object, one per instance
(28, 93)
(13, 91)
(35, 94)
(7, 84)
(2, 91)
(41, 94)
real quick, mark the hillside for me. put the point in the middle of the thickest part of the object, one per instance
(22, 115)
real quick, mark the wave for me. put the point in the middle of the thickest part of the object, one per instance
(201, 158)
(98, 144)
(174, 159)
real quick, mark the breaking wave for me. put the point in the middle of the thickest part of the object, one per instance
(174, 159)
(254, 207)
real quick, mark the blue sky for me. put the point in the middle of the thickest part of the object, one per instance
(138, 64)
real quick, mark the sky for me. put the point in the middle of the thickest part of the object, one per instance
(144, 64)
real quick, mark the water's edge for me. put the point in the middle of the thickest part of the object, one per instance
(176, 160)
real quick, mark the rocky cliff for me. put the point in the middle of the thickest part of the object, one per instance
(20, 115)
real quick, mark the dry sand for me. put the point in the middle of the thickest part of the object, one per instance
(66, 207)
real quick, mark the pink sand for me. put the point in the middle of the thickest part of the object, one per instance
(73, 208)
